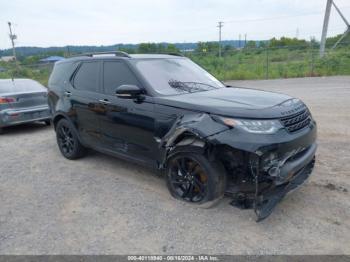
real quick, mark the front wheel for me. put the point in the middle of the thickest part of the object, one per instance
(192, 178)
(67, 140)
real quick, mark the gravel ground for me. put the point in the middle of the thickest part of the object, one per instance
(103, 205)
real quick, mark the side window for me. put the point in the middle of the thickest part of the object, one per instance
(87, 77)
(116, 74)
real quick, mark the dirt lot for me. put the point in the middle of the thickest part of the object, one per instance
(102, 205)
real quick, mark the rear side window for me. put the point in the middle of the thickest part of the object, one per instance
(87, 77)
(116, 74)
(61, 72)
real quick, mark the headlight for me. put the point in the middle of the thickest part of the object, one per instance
(253, 126)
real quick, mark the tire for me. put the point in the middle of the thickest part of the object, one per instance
(211, 175)
(68, 141)
(47, 122)
(1, 131)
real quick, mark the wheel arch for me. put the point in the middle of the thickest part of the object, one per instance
(61, 115)
(56, 119)
(189, 132)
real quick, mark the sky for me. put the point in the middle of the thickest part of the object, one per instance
(104, 22)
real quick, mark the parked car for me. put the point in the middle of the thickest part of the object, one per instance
(22, 101)
(167, 112)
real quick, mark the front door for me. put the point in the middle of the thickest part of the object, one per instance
(127, 126)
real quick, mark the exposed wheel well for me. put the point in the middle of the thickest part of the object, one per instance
(56, 119)
(233, 160)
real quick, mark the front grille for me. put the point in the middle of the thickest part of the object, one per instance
(297, 121)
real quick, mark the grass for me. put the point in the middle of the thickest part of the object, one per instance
(275, 63)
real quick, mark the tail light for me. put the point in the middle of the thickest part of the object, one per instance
(6, 100)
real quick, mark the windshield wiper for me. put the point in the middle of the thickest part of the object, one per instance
(191, 87)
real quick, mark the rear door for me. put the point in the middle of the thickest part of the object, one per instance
(84, 98)
(127, 126)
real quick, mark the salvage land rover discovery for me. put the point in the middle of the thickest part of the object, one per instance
(167, 112)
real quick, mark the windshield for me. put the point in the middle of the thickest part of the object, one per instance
(176, 76)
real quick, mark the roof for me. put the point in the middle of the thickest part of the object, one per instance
(52, 59)
(131, 56)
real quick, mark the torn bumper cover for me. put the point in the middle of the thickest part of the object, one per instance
(298, 171)
(275, 165)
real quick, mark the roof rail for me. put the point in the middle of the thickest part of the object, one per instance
(116, 53)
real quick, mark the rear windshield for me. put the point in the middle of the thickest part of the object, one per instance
(20, 85)
(176, 75)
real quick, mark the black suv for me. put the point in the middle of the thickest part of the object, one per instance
(165, 111)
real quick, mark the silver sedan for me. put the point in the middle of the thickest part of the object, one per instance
(22, 101)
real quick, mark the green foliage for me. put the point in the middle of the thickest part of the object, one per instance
(207, 48)
(250, 44)
(332, 40)
(283, 58)
(260, 63)
(39, 73)
(287, 42)
(147, 48)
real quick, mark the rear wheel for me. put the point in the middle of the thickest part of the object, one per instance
(192, 178)
(67, 140)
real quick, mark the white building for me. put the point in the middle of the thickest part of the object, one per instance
(7, 58)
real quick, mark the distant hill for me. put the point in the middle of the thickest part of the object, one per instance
(32, 50)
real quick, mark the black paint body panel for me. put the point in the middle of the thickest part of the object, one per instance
(147, 129)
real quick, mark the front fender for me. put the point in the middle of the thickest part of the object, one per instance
(197, 125)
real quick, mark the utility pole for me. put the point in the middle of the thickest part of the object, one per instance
(245, 40)
(13, 38)
(239, 41)
(347, 31)
(68, 51)
(325, 27)
(220, 25)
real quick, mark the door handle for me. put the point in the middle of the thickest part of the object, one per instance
(104, 101)
(67, 93)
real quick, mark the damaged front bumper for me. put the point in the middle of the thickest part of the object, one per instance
(295, 172)
(261, 168)
(274, 165)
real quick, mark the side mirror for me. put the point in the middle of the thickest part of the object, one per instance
(128, 91)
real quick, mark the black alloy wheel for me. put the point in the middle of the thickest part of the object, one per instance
(68, 141)
(187, 179)
(65, 139)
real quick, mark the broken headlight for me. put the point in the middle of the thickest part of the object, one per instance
(253, 125)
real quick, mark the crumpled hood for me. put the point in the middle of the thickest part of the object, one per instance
(238, 102)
